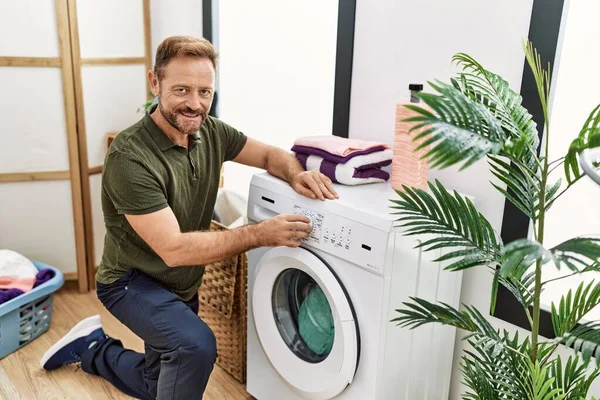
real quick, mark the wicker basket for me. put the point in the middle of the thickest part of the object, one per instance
(223, 306)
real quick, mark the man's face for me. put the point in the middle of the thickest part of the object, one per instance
(185, 93)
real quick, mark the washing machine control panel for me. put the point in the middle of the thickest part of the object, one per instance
(345, 238)
(333, 233)
(337, 234)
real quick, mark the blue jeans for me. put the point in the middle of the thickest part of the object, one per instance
(180, 349)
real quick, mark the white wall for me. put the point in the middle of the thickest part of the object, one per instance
(398, 42)
(110, 28)
(276, 73)
(168, 18)
(577, 93)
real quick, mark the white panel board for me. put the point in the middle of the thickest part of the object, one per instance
(97, 217)
(277, 72)
(28, 28)
(577, 93)
(111, 28)
(111, 97)
(36, 220)
(398, 42)
(169, 19)
(34, 135)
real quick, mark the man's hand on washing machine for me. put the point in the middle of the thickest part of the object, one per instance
(283, 230)
(314, 185)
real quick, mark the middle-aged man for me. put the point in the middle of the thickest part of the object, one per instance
(159, 189)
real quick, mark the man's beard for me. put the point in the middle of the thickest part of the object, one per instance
(187, 127)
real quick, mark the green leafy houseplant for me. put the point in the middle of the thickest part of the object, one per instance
(477, 115)
(146, 105)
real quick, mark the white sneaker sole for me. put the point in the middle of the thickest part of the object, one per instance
(81, 329)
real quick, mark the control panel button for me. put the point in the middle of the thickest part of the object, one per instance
(310, 222)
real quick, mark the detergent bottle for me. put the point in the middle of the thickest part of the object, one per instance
(408, 166)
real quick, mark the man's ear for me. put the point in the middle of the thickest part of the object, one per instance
(153, 80)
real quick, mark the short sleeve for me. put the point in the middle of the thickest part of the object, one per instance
(233, 141)
(131, 186)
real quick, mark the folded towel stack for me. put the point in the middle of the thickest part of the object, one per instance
(345, 161)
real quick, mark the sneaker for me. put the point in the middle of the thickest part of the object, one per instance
(69, 348)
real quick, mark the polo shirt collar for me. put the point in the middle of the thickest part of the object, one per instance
(161, 139)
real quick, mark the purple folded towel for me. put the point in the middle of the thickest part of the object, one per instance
(332, 157)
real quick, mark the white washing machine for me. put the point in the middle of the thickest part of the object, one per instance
(319, 315)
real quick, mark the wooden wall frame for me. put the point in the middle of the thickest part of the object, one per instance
(64, 42)
(30, 61)
(113, 61)
(35, 176)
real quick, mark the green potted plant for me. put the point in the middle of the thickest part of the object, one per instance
(477, 115)
(147, 104)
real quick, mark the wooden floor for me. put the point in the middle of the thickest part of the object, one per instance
(22, 378)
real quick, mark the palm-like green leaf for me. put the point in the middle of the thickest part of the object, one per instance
(588, 138)
(478, 379)
(585, 339)
(523, 182)
(481, 333)
(492, 91)
(455, 221)
(494, 374)
(573, 380)
(551, 194)
(462, 130)
(542, 384)
(578, 254)
(572, 308)
(541, 76)
(519, 255)
(421, 312)
(521, 288)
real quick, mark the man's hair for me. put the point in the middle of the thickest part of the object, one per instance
(183, 46)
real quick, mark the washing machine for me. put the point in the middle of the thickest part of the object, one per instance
(319, 316)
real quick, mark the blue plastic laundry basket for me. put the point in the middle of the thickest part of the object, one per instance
(28, 316)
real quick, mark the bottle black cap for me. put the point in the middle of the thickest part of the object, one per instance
(415, 87)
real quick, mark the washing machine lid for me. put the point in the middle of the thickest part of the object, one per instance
(281, 334)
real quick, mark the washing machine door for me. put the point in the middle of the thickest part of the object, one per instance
(305, 322)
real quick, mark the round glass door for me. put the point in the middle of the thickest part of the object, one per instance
(303, 315)
(305, 322)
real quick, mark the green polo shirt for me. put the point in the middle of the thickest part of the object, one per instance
(144, 171)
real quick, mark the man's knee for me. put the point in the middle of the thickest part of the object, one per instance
(203, 351)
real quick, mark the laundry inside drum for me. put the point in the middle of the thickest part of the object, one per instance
(303, 315)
